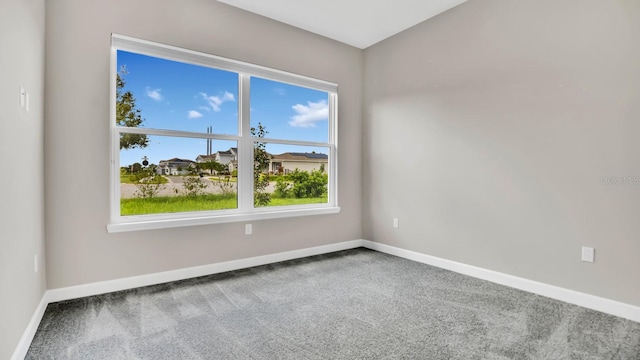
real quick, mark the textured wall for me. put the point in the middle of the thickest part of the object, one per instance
(79, 250)
(22, 181)
(488, 130)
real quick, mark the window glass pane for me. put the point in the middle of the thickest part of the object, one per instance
(289, 112)
(175, 96)
(164, 109)
(296, 174)
(174, 174)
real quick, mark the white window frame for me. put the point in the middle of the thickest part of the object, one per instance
(246, 210)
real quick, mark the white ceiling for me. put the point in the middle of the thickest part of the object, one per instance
(360, 23)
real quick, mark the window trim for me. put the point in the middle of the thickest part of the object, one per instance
(245, 211)
(127, 43)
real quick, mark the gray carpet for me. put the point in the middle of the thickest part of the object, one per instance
(355, 304)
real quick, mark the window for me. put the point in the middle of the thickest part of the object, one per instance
(200, 139)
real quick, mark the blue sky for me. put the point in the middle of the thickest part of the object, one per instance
(179, 96)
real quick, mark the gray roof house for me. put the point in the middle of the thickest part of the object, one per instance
(174, 166)
(289, 161)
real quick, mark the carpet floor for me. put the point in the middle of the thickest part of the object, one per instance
(354, 304)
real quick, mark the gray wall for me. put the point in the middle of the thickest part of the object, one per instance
(488, 130)
(79, 250)
(22, 180)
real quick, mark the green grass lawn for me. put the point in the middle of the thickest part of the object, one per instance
(290, 201)
(223, 178)
(128, 179)
(175, 204)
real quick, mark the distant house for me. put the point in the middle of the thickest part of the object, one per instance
(289, 161)
(228, 158)
(225, 157)
(175, 166)
(283, 163)
(205, 158)
(233, 165)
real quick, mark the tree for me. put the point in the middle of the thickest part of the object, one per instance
(261, 161)
(153, 168)
(212, 166)
(135, 167)
(128, 115)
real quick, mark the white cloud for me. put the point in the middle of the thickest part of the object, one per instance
(216, 101)
(194, 114)
(280, 91)
(308, 115)
(204, 108)
(154, 94)
(228, 96)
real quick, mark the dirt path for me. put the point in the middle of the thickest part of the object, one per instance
(171, 188)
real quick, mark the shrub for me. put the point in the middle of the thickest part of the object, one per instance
(302, 184)
(284, 188)
(225, 186)
(193, 186)
(149, 184)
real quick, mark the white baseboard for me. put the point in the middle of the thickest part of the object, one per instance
(570, 296)
(104, 287)
(30, 331)
(588, 301)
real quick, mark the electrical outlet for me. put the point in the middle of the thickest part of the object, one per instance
(588, 254)
(248, 229)
(396, 223)
(23, 97)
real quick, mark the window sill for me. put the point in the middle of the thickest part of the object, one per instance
(216, 219)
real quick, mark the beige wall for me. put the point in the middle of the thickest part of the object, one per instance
(77, 143)
(22, 181)
(488, 130)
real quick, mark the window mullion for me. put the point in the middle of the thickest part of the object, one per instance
(294, 142)
(245, 161)
(174, 133)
